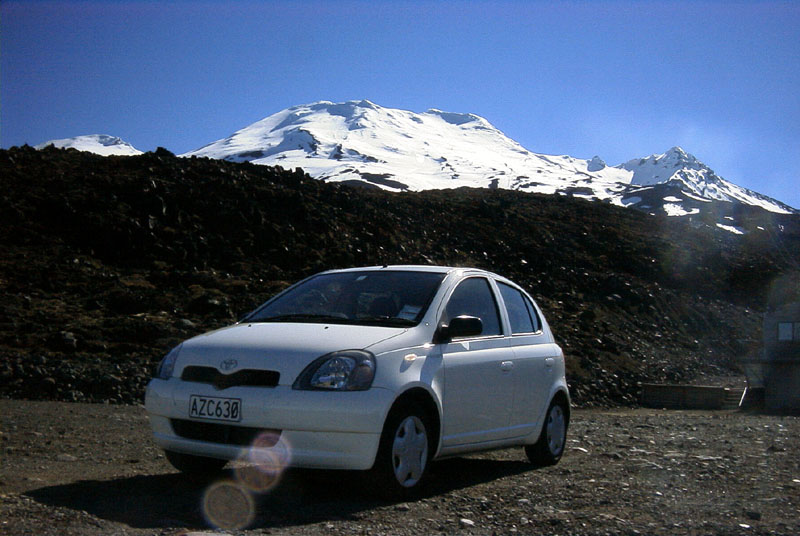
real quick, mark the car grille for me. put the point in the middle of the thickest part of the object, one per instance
(246, 377)
(224, 433)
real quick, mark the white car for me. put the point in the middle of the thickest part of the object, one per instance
(381, 369)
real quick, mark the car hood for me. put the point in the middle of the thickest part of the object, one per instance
(283, 347)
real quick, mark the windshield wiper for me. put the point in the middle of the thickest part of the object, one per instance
(337, 319)
(386, 321)
(302, 317)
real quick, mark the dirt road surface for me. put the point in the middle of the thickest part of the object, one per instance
(90, 469)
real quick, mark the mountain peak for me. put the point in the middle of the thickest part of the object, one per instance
(596, 164)
(678, 155)
(345, 109)
(458, 119)
(661, 168)
(677, 151)
(360, 142)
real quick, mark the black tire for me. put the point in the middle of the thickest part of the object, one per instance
(404, 453)
(198, 467)
(549, 448)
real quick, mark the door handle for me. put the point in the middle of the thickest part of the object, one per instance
(505, 366)
(549, 362)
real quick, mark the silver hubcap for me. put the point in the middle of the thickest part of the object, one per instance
(409, 451)
(556, 430)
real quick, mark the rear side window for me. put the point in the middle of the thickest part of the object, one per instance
(521, 313)
(537, 322)
(474, 297)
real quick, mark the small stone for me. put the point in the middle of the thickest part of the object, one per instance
(68, 339)
(186, 323)
(66, 458)
(466, 523)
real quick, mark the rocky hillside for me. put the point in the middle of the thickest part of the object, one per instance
(109, 261)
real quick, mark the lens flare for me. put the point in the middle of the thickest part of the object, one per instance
(270, 451)
(228, 505)
(261, 466)
(256, 480)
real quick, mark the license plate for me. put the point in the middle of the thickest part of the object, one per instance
(216, 408)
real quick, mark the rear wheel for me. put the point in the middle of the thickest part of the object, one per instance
(200, 467)
(550, 446)
(404, 452)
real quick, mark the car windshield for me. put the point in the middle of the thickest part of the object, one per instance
(383, 298)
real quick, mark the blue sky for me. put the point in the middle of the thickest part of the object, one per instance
(616, 79)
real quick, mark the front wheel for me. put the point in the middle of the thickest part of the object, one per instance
(550, 446)
(403, 453)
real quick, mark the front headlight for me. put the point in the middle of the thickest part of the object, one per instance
(167, 364)
(348, 370)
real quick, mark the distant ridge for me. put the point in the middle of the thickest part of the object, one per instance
(101, 144)
(360, 143)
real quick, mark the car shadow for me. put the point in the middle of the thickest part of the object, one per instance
(301, 497)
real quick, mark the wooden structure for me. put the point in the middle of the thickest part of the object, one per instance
(776, 371)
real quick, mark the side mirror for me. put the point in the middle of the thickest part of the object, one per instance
(460, 326)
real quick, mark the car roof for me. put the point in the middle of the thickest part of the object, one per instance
(417, 268)
(396, 268)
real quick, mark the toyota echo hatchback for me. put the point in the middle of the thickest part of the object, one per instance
(379, 369)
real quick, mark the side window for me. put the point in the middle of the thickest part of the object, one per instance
(473, 297)
(788, 331)
(784, 331)
(537, 322)
(518, 312)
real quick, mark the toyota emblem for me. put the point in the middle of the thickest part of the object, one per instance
(228, 364)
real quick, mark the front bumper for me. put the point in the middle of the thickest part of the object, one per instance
(325, 430)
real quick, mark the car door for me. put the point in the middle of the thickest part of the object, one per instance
(534, 359)
(478, 371)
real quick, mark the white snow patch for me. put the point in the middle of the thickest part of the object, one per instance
(676, 210)
(731, 229)
(673, 199)
(631, 201)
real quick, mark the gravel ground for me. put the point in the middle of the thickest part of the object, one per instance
(92, 469)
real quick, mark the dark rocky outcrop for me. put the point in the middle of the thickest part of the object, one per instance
(107, 262)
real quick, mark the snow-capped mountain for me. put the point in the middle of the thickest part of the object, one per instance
(361, 143)
(691, 180)
(101, 144)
